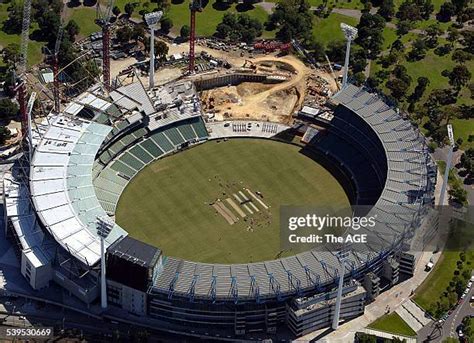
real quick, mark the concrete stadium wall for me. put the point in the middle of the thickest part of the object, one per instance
(229, 79)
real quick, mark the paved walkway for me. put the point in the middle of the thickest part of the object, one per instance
(389, 335)
(413, 315)
(391, 300)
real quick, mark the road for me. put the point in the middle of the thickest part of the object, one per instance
(434, 333)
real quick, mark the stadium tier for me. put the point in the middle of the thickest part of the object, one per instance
(81, 166)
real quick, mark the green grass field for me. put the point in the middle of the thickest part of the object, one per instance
(34, 47)
(393, 323)
(328, 29)
(85, 18)
(210, 17)
(433, 289)
(462, 129)
(168, 203)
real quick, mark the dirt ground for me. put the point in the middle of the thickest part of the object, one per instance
(260, 101)
(248, 100)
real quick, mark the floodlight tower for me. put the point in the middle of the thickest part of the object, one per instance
(152, 19)
(350, 33)
(29, 111)
(194, 6)
(448, 164)
(342, 256)
(104, 226)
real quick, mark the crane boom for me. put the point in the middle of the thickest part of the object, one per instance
(20, 86)
(194, 6)
(56, 95)
(103, 20)
(25, 36)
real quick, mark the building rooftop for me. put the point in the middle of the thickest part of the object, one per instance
(135, 251)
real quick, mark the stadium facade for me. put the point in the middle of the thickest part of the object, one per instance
(85, 156)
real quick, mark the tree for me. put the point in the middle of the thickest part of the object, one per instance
(81, 74)
(336, 50)
(422, 83)
(8, 109)
(387, 9)
(418, 50)
(161, 49)
(468, 39)
(124, 34)
(166, 24)
(4, 134)
(129, 8)
(48, 25)
(453, 35)
(399, 83)
(461, 56)
(116, 11)
(185, 32)
(432, 33)
(72, 29)
(409, 10)
(138, 32)
(467, 161)
(446, 11)
(460, 5)
(11, 55)
(397, 87)
(317, 49)
(459, 77)
(358, 60)
(239, 27)
(370, 33)
(9, 83)
(403, 27)
(15, 16)
(458, 195)
(293, 19)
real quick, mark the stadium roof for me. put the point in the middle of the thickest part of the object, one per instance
(395, 212)
(33, 241)
(61, 185)
(135, 251)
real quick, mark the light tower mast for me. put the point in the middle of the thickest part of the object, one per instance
(342, 256)
(350, 33)
(103, 20)
(449, 160)
(152, 20)
(194, 6)
(104, 226)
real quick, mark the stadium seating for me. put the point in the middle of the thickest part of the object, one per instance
(153, 149)
(140, 153)
(173, 134)
(162, 141)
(125, 157)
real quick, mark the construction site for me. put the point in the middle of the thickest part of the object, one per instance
(264, 81)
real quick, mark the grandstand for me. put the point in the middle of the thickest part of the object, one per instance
(112, 174)
(87, 155)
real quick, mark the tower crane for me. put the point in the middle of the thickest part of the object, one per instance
(56, 69)
(20, 85)
(54, 62)
(194, 6)
(103, 20)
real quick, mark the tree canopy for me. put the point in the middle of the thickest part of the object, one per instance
(239, 27)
